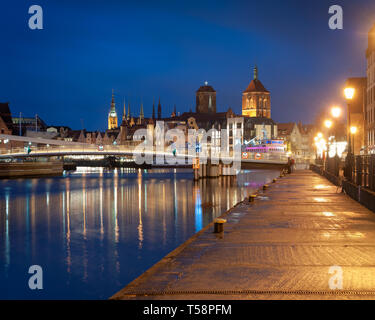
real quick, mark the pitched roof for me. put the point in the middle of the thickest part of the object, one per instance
(285, 128)
(305, 128)
(206, 88)
(259, 120)
(256, 86)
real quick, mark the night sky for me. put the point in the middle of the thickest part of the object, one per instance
(167, 49)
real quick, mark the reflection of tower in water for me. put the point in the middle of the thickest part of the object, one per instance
(140, 224)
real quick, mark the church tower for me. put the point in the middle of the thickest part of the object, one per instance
(112, 115)
(256, 101)
(205, 99)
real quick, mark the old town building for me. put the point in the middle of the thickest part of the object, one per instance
(256, 100)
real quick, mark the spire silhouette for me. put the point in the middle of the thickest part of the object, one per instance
(124, 112)
(129, 115)
(159, 110)
(153, 109)
(141, 114)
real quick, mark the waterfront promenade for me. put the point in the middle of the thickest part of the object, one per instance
(279, 247)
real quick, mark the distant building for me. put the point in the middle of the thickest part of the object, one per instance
(112, 115)
(299, 139)
(307, 132)
(359, 117)
(7, 127)
(6, 123)
(22, 125)
(205, 99)
(290, 133)
(256, 100)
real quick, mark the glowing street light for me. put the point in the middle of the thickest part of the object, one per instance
(349, 93)
(328, 124)
(336, 112)
(353, 130)
(320, 135)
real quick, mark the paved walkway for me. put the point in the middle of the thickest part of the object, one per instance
(280, 247)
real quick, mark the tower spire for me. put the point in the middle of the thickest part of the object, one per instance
(128, 115)
(124, 112)
(153, 109)
(255, 73)
(112, 116)
(159, 110)
(141, 114)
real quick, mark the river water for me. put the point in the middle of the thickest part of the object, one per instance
(93, 231)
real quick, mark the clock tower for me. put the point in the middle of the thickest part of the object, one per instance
(112, 115)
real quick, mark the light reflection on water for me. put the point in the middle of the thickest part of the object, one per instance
(94, 231)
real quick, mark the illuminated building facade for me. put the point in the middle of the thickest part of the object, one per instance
(256, 100)
(112, 115)
(357, 113)
(370, 104)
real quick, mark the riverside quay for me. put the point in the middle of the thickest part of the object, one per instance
(177, 159)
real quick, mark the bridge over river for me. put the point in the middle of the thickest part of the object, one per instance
(52, 148)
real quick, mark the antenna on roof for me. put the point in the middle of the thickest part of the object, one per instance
(255, 73)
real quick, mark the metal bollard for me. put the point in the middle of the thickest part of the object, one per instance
(219, 225)
(252, 197)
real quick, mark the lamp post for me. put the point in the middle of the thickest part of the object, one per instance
(336, 113)
(349, 94)
(353, 131)
(328, 124)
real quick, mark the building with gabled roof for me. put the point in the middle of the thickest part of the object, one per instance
(256, 100)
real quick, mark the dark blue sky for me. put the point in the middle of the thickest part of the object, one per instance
(146, 49)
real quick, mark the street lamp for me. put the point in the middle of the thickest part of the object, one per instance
(349, 93)
(336, 112)
(353, 131)
(328, 124)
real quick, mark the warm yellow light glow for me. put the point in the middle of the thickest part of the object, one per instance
(349, 93)
(328, 124)
(316, 139)
(320, 135)
(320, 186)
(336, 112)
(353, 130)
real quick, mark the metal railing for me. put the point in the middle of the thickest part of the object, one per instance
(360, 170)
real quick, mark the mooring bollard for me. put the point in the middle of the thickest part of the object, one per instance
(252, 197)
(219, 225)
(265, 187)
(274, 180)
